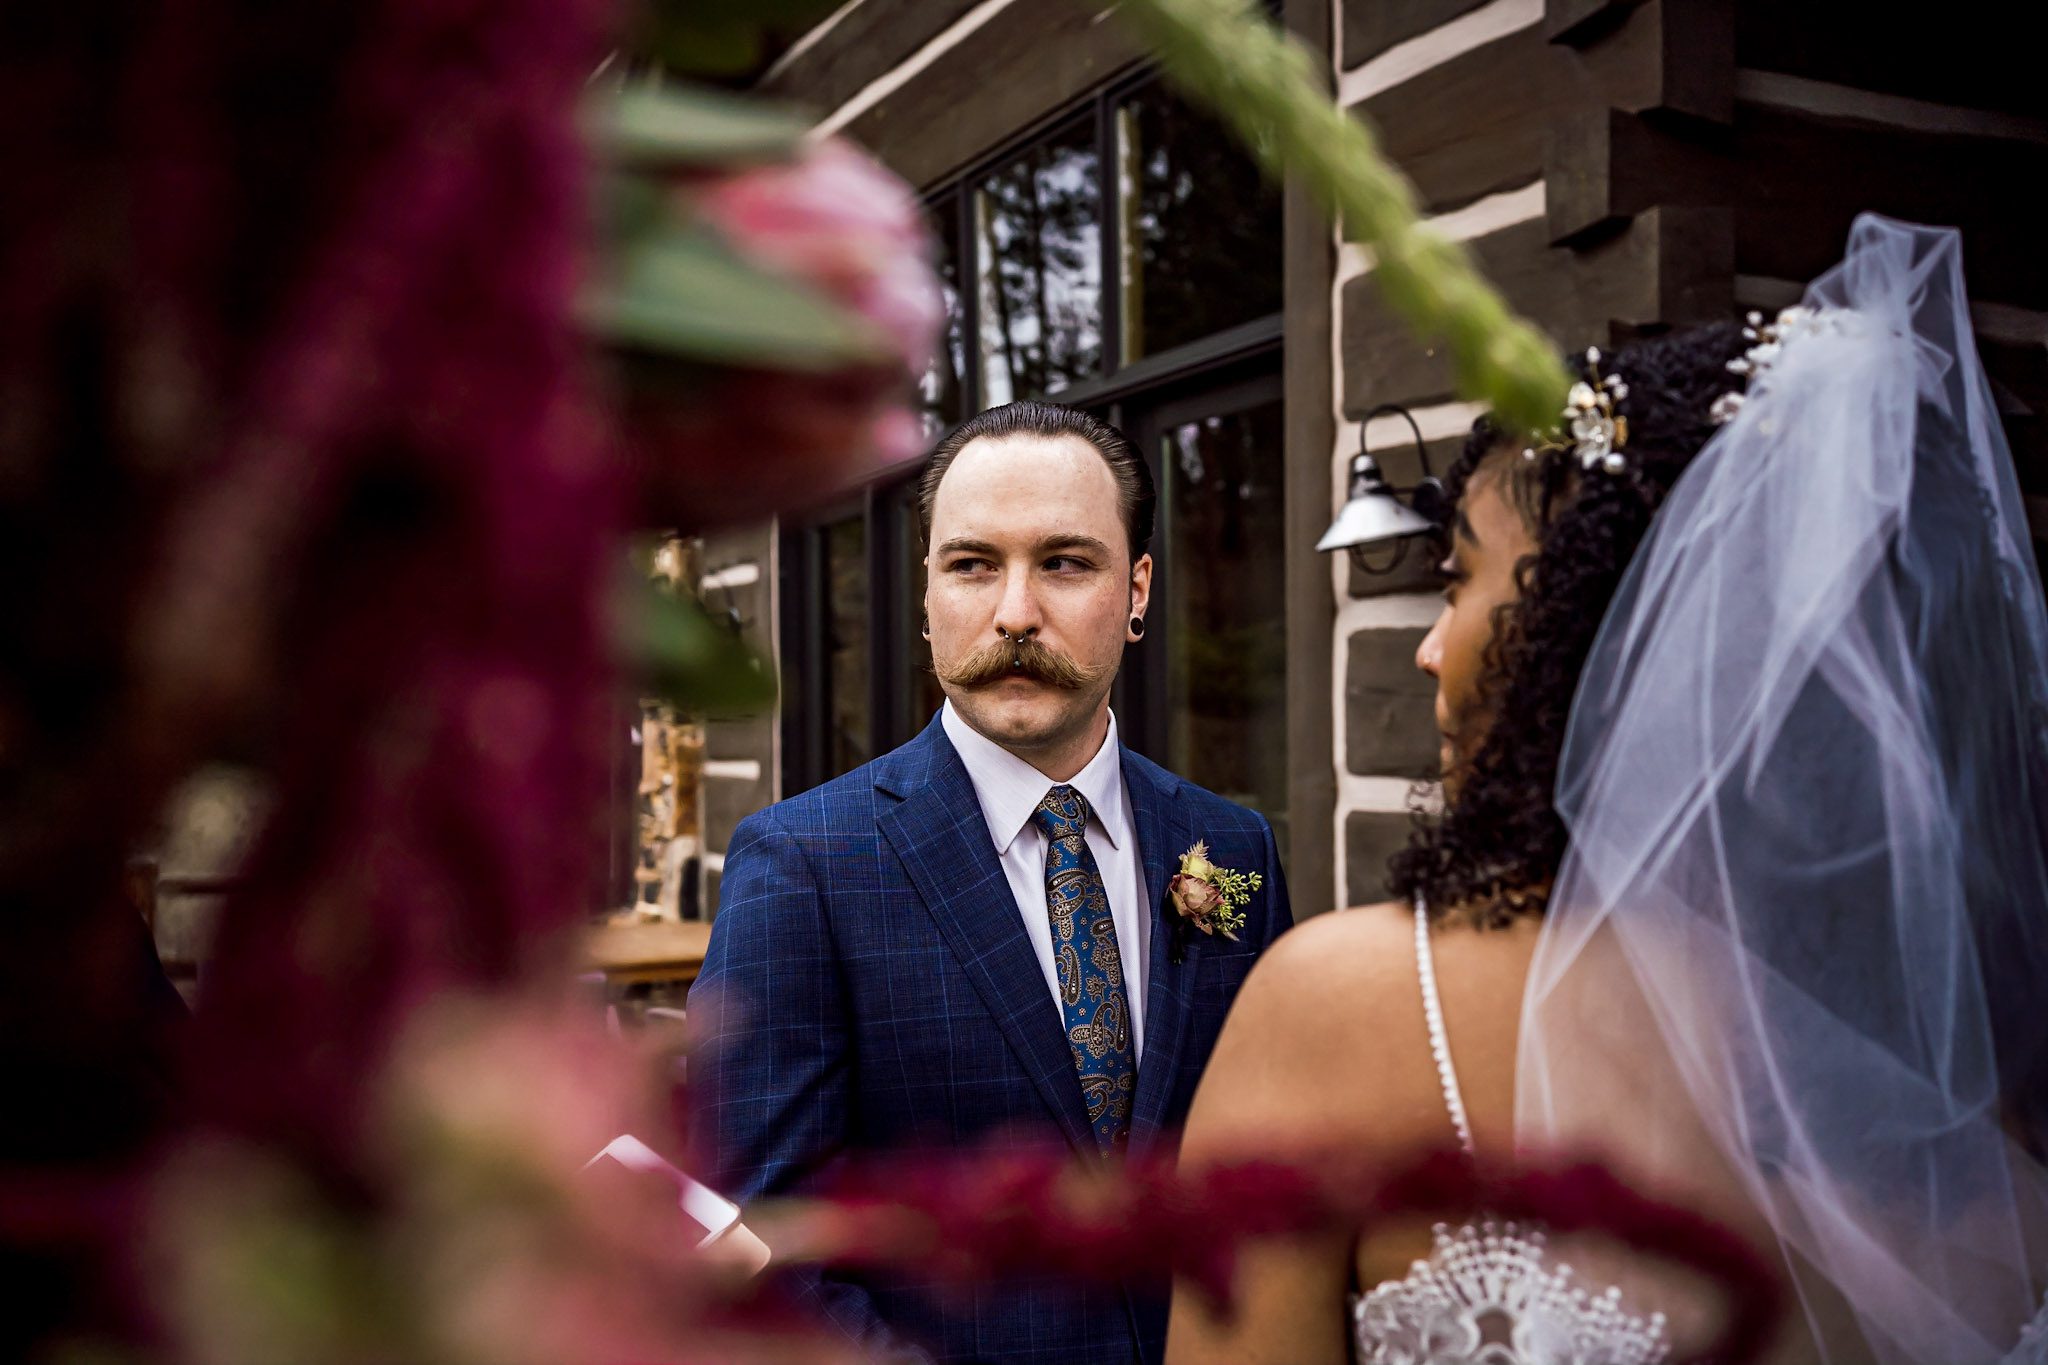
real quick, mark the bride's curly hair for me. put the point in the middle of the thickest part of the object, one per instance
(1492, 852)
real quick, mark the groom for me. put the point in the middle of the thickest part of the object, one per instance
(970, 940)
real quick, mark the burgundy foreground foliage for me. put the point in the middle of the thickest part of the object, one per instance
(967, 1220)
(296, 466)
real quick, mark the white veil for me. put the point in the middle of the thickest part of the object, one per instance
(1795, 966)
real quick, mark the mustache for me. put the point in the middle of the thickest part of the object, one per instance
(1024, 658)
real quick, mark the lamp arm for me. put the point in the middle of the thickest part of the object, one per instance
(1395, 409)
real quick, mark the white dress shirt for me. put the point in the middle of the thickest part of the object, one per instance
(1009, 790)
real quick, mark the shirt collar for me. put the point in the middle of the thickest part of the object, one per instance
(1010, 789)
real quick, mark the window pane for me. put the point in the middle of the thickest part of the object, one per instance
(1226, 638)
(1038, 229)
(943, 388)
(1201, 247)
(846, 567)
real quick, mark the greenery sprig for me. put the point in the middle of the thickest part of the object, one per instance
(1237, 888)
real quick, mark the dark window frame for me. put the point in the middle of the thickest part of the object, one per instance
(1140, 692)
(1116, 378)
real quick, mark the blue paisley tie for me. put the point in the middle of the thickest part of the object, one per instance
(1096, 1010)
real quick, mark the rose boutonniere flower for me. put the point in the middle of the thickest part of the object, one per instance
(1209, 897)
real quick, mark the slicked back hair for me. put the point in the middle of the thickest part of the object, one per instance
(1137, 499)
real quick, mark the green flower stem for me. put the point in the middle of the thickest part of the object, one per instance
(1262, 82)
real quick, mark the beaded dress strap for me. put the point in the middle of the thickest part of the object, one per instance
(1439, 1041)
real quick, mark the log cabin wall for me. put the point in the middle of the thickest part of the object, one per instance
(1625, 167)
(1618, 167)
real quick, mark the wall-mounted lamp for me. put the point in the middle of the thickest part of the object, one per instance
(1374, 514)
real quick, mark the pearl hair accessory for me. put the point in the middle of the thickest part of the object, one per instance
(1597, 432)
(1770, 338)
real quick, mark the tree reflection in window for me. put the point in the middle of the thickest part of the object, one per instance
(1038, 225)
(943, 388)
(1201, 247)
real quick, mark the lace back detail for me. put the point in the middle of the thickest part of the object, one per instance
(1488, 1294)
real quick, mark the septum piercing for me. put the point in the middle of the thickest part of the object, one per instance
(1016, 655)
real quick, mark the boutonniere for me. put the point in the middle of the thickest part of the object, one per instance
(1209, 897)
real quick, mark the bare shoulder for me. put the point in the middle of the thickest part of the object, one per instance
(1328, 980)
(1339, 961)
(1326, 1041)
(1328, 1037)
(1335, 973)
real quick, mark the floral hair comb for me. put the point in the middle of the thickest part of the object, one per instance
(1592, 431)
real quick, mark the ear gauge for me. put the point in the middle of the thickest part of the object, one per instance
(1138, 627)
(925, 626)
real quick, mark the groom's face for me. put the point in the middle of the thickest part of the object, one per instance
(1028, 542)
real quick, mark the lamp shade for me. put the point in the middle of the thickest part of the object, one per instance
(1373, 513)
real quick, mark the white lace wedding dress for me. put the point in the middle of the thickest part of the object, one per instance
(1489, 1293)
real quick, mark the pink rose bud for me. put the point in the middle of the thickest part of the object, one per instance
(837, 220)
(758, 441)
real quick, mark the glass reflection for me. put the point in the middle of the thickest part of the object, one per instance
(1200, 246)
(1038, 223)
(943, 388)
(1226, 638)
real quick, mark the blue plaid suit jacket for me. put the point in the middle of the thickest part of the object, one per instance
(869, 986)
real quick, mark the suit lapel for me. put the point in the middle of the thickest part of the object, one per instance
(939, 832)
(1163, 833)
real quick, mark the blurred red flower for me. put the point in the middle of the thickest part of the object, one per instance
(838, 221)
(723, 444)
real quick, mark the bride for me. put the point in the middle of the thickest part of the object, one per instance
(1739, 883)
